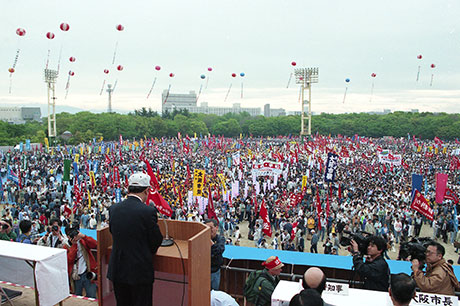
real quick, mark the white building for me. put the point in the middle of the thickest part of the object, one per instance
(188, 102)
(19, 115)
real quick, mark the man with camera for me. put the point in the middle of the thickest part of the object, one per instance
(6, 232)
(375, 269)
(53, 237)
(82, 265)
(439, 276)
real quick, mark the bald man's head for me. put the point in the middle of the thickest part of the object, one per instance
(314, 278)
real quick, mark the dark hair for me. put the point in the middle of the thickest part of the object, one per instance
(307, 297)
(402, 287)
(52, 220)
(25, 226)
(136, 189)
(379, 242)
(8, 221)
(320, 288)
(213, 221)
(439, 248)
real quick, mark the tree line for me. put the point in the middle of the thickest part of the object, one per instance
(85, 126)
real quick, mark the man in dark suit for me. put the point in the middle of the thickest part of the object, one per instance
(136, 238)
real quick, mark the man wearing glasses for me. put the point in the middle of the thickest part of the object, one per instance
(439, 276)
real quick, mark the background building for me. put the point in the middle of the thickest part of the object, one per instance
(19, 115)
(188, 102)
(273, 112)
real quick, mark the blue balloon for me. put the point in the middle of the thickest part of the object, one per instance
(242, 74)
(202, 76)
(347, 80)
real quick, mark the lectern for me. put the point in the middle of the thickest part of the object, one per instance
(191, 267)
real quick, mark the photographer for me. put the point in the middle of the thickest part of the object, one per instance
(82, 266)
(439, 277)
(53, 237)
(375, 269)
(6, 232)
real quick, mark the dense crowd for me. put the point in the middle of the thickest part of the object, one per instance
(365, 195)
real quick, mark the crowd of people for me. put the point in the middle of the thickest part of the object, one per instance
(302, 202)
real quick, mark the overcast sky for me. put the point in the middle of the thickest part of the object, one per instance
(345, 39)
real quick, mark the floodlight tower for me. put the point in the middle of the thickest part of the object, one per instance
(305, 77)
(110, 90)
(50, 80)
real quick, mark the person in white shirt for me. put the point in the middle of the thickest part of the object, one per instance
(92, 222)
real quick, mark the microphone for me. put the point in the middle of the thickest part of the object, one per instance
(167, 241)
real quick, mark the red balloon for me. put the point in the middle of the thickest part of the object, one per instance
(373, 75)
(50, 35)
(64, 27)
(119, 67)
(72, 59)
(234, 75)
(120, 27)
(293, 63)
(10, 70)
(210, 69)
(171, 75)
(433, 66)
(71, 73)
(21, 31)
(157, 68)
(419, 56)
(106, 71)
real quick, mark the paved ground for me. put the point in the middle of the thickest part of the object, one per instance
(28, 298)
(426, 231)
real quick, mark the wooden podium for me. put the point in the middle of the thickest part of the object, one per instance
(193, 239)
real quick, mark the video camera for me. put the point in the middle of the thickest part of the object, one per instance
(72, 231)
(415, 249)
(361, 238)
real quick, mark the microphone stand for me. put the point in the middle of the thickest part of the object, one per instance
(167, 241)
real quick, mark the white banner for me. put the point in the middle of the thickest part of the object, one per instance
(391, 159)
(267, 168)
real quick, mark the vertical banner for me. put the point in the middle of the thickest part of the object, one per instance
(417, 181)
(304, 181)
(441, 184)
(28, 144)
(66, 176)
(198, 182)
(331, 166)
(117, 195)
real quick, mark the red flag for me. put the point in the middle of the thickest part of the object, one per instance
(116, 176)
(450, 195)
(266, 229)
(181, 202)
(104, 182)
(211, 211)
(421, 205)
(441, 183)
(160, 203)
(438, 141)
(318, 203)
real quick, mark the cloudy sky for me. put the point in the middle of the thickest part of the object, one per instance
(345, 39)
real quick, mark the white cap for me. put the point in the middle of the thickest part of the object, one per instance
(139, 179)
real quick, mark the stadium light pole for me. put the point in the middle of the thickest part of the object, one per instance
(50, 80)
(305, 77)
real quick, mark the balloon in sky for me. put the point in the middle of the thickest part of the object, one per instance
(119, 67)
(234, 75)
(293, 63)
(373, 75)
(64, 27)
(106, 71)
(347, 80)
(418, 70)
(433, 66)
(242, 74)
(202, 76)
(157, 68)
(432, 75)
(171, 75)
(71, 73)
(50, 35)
(210, 69)
(120, 27)
(21, 31)
(72, 59)
(11, 70)
(419, 56)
